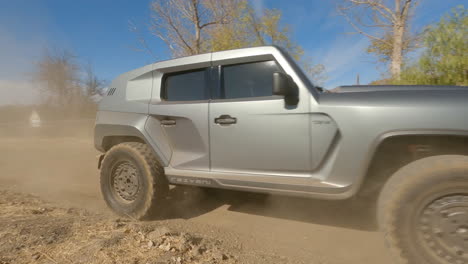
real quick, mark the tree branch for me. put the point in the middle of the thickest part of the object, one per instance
(166, 15)
(141, 39)
(404, 10)
(376, 4)
(213, 23)
(360, 31)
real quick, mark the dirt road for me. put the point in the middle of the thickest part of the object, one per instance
(63, 171)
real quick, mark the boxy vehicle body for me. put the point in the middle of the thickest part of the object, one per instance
(251, 120)
(322, 147)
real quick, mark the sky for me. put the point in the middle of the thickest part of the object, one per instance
(98, 32)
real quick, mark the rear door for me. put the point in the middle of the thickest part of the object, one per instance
(252, 130)
(182, 113)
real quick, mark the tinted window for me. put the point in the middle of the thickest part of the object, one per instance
(249, 79)
(186, 86)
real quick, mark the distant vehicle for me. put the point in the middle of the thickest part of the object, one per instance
(251, 120)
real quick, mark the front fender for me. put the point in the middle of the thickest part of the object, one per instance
(380, 139)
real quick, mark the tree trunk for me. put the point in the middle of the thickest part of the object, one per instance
(196, 23)
(197, 40)
(397, 53)
(399, 30)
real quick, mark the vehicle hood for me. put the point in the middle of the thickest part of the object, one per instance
(397, 96)
(378, 110)
(386, 88)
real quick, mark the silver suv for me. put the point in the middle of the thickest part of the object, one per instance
(251, 120)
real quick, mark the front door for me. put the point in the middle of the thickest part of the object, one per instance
(252, 130)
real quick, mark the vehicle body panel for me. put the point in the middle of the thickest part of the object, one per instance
(367, 118)
(320, 148)
(189, 137)
(260, 141)
(119, 124)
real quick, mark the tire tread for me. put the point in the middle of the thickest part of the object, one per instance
(159, 186)
(392, 197)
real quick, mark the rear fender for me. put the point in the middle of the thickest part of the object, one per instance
(132, 125)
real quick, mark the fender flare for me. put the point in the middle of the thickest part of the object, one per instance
(102, 131)
(395, 133)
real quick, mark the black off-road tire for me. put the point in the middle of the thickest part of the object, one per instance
(145, 172)
(423, 211)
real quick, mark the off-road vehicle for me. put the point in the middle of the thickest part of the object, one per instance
(251, 120)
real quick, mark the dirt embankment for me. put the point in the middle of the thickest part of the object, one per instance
(34, 231)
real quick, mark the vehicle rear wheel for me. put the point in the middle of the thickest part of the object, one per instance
(132, 181)
(423, 211)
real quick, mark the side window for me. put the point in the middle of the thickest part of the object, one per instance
(185, 86)
(249, 79)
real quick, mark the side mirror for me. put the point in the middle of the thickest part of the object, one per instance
(284, 85)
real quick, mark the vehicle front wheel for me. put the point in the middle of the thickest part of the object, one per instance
(132, 181)
(423, 211)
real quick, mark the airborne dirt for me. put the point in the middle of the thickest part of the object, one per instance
(245, 228)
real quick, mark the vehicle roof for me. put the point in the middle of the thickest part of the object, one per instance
(209, 55)
(204, 57)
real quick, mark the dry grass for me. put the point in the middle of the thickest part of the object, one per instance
(36, 232)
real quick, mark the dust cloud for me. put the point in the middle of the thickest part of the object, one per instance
(57, 162)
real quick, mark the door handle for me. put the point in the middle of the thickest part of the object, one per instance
(168, 122)
(225, 120)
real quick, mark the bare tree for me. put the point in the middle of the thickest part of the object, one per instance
(268, 29)
(92, 85)
(191, 27)
(385, 23)
(67, 87)
(58, 73)
(182, 24)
